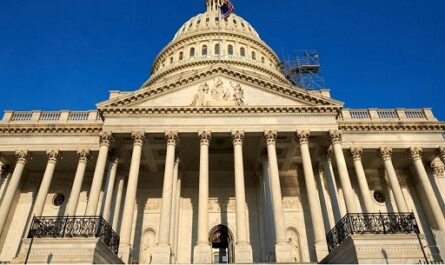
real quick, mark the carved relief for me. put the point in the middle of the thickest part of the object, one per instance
(222, 205)
(219, 95)
(291, 204)
(148, 242)
(153, 205)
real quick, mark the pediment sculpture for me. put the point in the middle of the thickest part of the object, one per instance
(219, 95)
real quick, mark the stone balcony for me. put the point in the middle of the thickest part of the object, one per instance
(390, 115)
(50, 117)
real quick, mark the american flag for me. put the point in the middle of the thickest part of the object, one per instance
(227, 8)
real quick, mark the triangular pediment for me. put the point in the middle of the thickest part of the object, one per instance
(219, 89)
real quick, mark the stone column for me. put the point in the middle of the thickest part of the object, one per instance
(243, 249)
(109, 185)
(174, 208)
(283, 251)
(130, 197)
(326, 156)
(415, 154)
(53, 157)
(73, 200)
(356, 154)
(117, 195)
(162, 252)
(22, 159)
(386, 155)
(202, 251)
(105, 140)
(348, 192)
(302, 137)
(4, 179)
(439, 174)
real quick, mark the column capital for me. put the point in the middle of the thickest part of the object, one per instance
(438, 168)
(205, 137)
(171, 137)
(23, 156)
(270, 137)
(83, 155)
(53, 156)
(326, 153)
(335, 136)
(415, 153)
(105, 138)
(356, 153)
(138, 138)
(385, 153)
(302, 137)
(237, 137)
(442, 153)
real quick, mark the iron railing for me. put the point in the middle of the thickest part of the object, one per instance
(371, 223)
(70, 227)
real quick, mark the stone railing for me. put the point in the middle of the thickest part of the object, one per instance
(387, 115)
(50, 117)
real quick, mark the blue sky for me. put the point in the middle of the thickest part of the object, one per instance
(67, 54)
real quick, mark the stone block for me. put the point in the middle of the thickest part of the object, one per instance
(161, 255)
(243, 253)
(283, 253)
(202, 254)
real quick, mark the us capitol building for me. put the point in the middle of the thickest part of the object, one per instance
(219, 158)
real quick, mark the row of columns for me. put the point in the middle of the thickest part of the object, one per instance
(162, 252)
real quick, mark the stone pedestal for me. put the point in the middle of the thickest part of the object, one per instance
(66, 250)
(125, 253)
(161, 255)
(202, 254)
(243, 253)
(321, 250)
(381, 249)
(283, 253)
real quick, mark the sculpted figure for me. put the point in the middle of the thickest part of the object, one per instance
(199, 100)
(219, 93)
(149, 242)
(238, 95)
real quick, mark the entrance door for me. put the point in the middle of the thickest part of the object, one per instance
(222, 247)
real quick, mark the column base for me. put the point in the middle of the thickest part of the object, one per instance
(321, 251)
(202, 254)
(125, 252)
(161, 255)
(283, 253)
(243, 253)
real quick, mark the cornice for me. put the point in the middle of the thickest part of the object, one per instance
(51, 130)
(221, 111)
(391, 127)
(148, 93)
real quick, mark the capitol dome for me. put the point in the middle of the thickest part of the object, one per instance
(204, 41)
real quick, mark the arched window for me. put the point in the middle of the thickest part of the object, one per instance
(181, 56)
(242, 52)
(263, 60)
(230, 50)
(171, 60)
(253, 56)
(204, 50)
(216, 48)
(192, 52)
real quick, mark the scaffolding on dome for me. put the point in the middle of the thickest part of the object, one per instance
(303, 70)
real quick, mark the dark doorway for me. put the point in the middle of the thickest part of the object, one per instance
(222, 244)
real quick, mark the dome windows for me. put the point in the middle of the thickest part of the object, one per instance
(253, 56)
(263, 60)
(217, 50)
(204, 50)
(181, 56)
(230, 50)
(192, 52)
(242, 52)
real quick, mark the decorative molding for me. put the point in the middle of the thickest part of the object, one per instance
(237, 137)
(356, 153)
(385, 153)
(415, 153)
(138, 138)
(302, 137)
(391, 127)
(205, 137)
(171, 138)
(83, 155)
(23, 156)
(53, 156)
(50, 129)
(270, 137)
(291, 204)
(105, 138)
(153, 205)
(335, 137)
